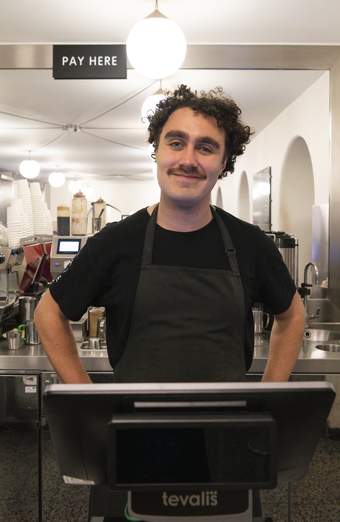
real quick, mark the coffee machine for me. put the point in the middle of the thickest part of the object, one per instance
(11, 264)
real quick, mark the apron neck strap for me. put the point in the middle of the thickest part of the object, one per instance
(149, 238)
(229, 249)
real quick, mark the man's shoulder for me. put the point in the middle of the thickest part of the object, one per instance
(238, 225)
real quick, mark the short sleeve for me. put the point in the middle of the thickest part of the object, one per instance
(275, 285)
(81, 283)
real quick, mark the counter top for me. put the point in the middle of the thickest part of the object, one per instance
(33, 358)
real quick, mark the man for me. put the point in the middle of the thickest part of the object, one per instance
(178, 279)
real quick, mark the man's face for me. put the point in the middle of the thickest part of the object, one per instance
(190, 157)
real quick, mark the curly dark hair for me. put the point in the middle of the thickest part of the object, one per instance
(213, 103)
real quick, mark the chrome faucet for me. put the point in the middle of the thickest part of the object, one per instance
(306, 289)
(315, 274)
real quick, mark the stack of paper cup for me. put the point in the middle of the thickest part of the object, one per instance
(37, 209)
(15, 226)
(23, 193)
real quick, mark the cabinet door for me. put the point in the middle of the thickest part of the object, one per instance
(61, 501)
(19, 448)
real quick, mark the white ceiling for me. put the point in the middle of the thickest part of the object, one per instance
(262, 95)
(212, 21)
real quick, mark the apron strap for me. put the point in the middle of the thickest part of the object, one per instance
(149, 238)
(227, 242)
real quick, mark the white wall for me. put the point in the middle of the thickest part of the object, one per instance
(129, 195)
(307, 117)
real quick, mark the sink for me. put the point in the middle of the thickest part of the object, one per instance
(322, 325)
(329, 347)
(321, 335)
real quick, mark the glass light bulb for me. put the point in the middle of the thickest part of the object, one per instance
(29, 169)
(56, 179)
(149, 106)
(156, 46)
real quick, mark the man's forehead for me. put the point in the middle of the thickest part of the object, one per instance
(185, 119)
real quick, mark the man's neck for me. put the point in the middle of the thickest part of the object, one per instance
(182, 219)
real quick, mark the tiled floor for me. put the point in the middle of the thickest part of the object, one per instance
(316, 498)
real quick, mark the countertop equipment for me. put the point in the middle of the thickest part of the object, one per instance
(63, 251)
(11, 260)
(288, 246)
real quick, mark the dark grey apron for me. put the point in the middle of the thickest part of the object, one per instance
(188, 324)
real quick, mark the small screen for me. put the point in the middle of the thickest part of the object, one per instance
(68, 246)
(192, 455)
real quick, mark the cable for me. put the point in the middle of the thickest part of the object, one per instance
(30, 128)
(129, 517)
(111, 141)
(30, 119)
(116, 128)
(118, 104)
(51, 141)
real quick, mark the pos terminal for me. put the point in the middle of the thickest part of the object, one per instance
(187, 450)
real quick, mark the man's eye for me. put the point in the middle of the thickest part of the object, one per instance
(205, 149)
(175, 145)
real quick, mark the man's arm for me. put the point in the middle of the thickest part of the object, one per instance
(58, 341)
(285, 342)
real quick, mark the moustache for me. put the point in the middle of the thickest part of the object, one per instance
(190, 172)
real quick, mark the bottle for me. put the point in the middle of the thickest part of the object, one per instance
(63, 221)
(98, 215)
(79, 215)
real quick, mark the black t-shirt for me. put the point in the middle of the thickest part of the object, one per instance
(106, 271)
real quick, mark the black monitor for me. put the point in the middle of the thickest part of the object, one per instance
(151, 436)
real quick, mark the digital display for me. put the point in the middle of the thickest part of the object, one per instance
(192, 455)
(68, 246)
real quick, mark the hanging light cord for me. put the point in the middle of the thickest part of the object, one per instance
(129, 98)
(82, 126)
(111, 141)
(55, 125)
(51, 141)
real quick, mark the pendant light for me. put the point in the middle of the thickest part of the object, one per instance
(156, 46)
(56, 179)
(149, 104)
(29, 168)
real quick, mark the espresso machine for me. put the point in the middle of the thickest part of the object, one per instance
(11, 265)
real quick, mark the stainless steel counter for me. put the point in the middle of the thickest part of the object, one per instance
(33, 358)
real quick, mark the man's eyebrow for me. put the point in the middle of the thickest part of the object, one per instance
(175, 134)
(209, 140)
(201, 139)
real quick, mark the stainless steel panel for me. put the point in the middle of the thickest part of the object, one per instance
(19, 447)
(39, 56)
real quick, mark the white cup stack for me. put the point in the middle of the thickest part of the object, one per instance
(38, 209)
(23, 193)
(15, 224)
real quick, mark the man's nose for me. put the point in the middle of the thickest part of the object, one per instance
(188, 159)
